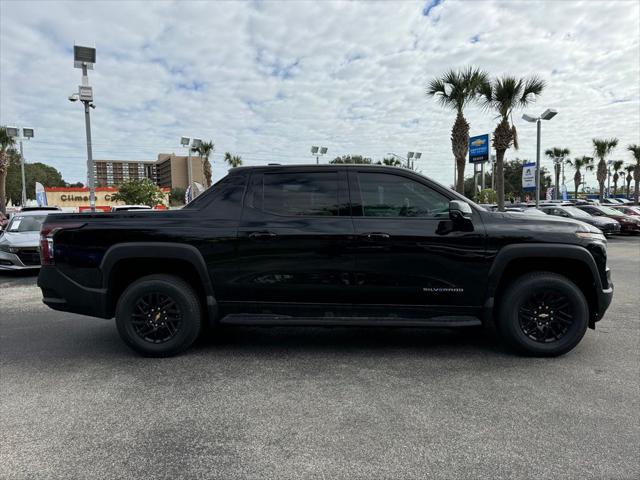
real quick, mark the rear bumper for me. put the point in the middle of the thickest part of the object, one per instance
(62, 293)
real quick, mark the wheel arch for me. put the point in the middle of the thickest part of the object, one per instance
(124, 263)
(572, 261)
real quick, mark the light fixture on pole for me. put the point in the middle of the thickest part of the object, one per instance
(27, 134)
(409, 160)
(318, 152)
(548, 114)
(84, 58)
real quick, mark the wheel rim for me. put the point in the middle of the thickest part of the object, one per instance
(546, 316)
(156, 317)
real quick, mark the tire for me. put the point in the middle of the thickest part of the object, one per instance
(543, 314)
(159, 316)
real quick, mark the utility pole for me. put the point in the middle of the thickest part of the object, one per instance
(27, 133)
(84, 58)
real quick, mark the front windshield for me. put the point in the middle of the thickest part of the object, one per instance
(576, 212)
(611, 211)
(26, 223)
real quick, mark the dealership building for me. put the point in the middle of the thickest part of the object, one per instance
(78, 197)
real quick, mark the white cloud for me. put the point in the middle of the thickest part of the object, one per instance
(267, 80)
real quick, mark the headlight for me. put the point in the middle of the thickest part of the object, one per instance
(592, 236)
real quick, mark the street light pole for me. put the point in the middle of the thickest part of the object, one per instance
(84, 58)
(548, 114)
(538, 165)
(24, 184)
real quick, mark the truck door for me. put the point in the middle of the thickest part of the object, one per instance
(407, 252)
(294, 243)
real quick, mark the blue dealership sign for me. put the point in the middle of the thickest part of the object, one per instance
(479, 149)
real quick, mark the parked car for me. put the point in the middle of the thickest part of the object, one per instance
(329, 245)
(628, 210)
(608, 226)
(19, 241)
(627, 224)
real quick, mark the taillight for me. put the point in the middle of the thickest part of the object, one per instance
(47, 233)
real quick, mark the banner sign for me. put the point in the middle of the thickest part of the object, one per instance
(529, 177)
(41, 195)
(479, 149)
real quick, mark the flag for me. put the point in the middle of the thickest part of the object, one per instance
(188, 194)
(41, 195)
(549, 193)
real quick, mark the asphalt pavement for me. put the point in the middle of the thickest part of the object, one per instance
(317, 403)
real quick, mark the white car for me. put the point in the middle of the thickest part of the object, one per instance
(20, 239)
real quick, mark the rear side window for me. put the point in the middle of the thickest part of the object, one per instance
(301, 194)
(385, 195)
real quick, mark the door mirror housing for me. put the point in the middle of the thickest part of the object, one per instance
(459, 210)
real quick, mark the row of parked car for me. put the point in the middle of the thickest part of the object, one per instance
(20, 235)
(611, 217)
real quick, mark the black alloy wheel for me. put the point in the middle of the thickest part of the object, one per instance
(159, 315)
(546, 315)
(542, 314)
(156, 317)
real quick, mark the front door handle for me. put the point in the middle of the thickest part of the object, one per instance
(261, 235)
(376, 236)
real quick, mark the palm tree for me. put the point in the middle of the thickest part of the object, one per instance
(204, 150)
(617, 165)
(579, 163)
(629, 169)
(635, 149)
(233, 160)
(6, 145)
(503, 95)
(602, 147)
(455, 90)
(558, 156)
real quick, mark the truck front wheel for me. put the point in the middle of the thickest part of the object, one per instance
(159, 315)
(543, 314)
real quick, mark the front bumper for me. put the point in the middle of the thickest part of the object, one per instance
(605, 296)
(11, 261)
(62, 293)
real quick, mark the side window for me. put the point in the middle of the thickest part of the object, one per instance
(385, 195)
(301, 194)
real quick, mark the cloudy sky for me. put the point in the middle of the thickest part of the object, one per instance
(267, 80)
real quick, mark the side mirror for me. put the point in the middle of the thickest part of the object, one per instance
(459, 210)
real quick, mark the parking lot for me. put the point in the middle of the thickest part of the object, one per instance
(317, 403)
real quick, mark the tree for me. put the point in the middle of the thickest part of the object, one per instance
(233, 160)
(503, 95)
(455, 90)
(176, 196)
(629, 169)
(350, 159)
(617, 165)
(204, 150)
(139, 192)
(602, 148)
(390, 161)
(635, 149)
(33, 172)
(6, 147)
(578, 164)
(558, 156)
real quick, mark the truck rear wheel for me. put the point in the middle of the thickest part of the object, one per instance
(159, 315)
(543, 314)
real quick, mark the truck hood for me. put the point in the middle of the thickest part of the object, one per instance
(571, 224)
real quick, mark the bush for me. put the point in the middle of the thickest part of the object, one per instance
(486, 196)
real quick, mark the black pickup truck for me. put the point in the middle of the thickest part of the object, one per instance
(331, 245)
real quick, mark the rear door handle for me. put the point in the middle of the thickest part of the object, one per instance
(376, 236)
(261, 235)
